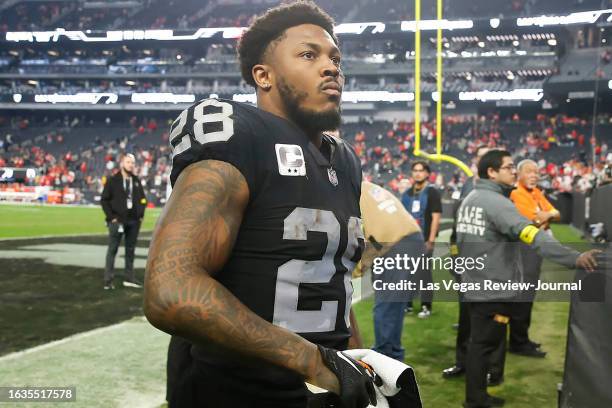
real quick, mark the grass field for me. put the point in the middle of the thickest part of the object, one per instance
(122, 362)
(18, 221)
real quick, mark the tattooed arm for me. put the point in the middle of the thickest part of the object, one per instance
(192, 241)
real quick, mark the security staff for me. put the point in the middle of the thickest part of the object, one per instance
(123, 201)
(489, 228)
(496, 365)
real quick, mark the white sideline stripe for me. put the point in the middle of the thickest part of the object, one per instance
(97, 234)
(91, 234)
(78, 336)
(27, 204)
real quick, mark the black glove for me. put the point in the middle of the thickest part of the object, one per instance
(356, 383)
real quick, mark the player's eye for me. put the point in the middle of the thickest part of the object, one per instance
(336, 61)
(308, 55)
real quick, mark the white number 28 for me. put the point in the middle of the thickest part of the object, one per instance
(201, 118)
(296, 271)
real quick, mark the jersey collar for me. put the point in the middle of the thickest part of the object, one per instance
(320, 157)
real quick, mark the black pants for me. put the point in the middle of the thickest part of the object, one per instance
(486, 335)
(202, 387)
(520, 318)
(498, 357)
(130, 230)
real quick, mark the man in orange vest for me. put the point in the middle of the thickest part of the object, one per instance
(531, 203)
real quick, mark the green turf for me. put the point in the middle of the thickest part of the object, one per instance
(18, 221)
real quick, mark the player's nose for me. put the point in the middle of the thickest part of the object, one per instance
(330, 69)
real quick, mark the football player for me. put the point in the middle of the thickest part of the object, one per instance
(252, 256)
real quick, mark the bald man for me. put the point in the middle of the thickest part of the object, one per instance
(532, 204)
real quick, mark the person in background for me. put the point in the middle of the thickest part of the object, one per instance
(533, 205)
(424, 203)
(391, 230)
(489, 227)
(124, 202)
(496, 365)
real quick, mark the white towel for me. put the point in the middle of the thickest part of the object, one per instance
(399, 386)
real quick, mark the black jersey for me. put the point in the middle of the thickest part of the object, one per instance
(301, 233)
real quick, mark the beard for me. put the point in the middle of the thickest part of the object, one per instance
(308, 120)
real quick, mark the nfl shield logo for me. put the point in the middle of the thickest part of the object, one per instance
(333, 177)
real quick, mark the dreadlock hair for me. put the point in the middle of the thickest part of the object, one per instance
(270, 28)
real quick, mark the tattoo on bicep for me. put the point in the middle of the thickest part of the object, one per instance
(195, 232)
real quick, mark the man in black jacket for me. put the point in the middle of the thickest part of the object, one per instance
(123, 201)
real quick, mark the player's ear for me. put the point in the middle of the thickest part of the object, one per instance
(261, 76)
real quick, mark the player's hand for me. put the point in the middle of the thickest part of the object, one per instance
(114, 220)
(356, 385)
(587, 260)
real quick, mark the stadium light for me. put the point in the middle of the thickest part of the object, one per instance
(429, 25)
(84, 97)
(162, 97)
(359, 28)
(584, 17)
(514, 95)
(162, 35)
(118, 36)
(350, 96)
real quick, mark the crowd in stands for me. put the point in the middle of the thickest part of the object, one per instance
(62, 159)
(183, 14)
(29, 16)
(560, 144)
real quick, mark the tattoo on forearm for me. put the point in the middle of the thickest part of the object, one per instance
(192, 241)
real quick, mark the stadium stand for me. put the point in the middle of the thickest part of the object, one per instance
(80, 151)
(157, 14)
